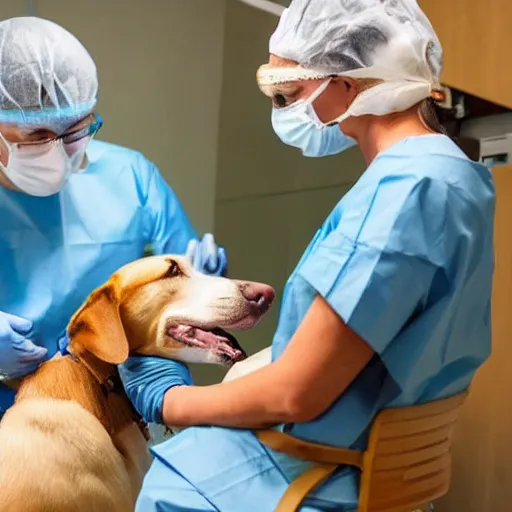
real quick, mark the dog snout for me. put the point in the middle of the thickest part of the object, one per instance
(258, 294)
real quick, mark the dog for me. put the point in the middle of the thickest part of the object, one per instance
(73, 442)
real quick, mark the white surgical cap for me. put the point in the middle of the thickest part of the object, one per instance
(390, 40)
(47, 77)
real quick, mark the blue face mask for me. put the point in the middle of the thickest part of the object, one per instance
(298, 125)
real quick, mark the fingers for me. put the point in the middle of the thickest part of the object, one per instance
(192, 249)
(206, 256)
(18, 324)
(222, 261)
(28, 352)
(209, 247)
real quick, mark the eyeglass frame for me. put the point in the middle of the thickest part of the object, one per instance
(91, 129)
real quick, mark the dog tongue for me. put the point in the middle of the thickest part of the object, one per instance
(207, 340)
(207, 337)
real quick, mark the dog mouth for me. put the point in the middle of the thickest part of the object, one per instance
(223, 344)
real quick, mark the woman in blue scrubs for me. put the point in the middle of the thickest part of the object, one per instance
(390, 303)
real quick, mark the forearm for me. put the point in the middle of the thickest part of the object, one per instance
(253, 401)
(320, 362)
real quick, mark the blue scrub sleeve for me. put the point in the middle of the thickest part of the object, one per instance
(170, 228)
(376, 269)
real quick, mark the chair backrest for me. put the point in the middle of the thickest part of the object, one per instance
(408, 461)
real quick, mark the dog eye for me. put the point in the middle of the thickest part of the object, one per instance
(174, 270)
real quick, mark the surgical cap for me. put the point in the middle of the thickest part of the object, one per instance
(47, 77)
(382, 39)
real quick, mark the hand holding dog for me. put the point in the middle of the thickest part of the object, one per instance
(146, 379)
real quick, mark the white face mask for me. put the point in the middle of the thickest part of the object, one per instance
(41, 173)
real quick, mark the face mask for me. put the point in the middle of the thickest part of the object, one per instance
(43, 173)
(299, 126)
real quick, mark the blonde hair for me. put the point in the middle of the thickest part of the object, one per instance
(364, 84)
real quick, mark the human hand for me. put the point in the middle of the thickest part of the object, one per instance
(146, 379)
(19, 356)
(207, 257)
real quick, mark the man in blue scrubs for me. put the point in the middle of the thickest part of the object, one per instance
(72, 210)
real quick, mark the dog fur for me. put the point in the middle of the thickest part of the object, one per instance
(73, 442)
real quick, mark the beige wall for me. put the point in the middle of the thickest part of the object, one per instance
(270, 199)
(10, 8)
(160, 66)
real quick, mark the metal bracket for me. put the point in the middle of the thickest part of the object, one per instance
(452, 100)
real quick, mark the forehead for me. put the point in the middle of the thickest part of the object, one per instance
(147, 269)
(276, 61)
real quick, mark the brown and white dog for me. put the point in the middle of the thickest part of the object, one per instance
(72, 441)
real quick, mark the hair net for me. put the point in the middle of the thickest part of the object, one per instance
(47, 77)
(390, 40)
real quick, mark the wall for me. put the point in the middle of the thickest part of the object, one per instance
(11, 8)
(160, 65)
(270, 200)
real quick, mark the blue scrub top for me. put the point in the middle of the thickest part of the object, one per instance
(55, 250)
(406, 260)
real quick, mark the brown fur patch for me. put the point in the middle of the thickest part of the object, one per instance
(67, 379)
(79, 327)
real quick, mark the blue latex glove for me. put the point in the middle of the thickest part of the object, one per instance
(146, 379)
(62, 343)
(18, 355)
(207, 257)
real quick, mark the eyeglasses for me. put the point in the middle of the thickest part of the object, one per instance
(89, 130)
(70, 140)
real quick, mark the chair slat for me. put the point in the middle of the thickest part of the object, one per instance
(413, 442)
(413, 473)
(408, 459)
(400, 429)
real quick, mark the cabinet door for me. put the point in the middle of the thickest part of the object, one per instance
(477, 40)
(482, 451)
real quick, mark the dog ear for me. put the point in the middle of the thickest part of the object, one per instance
(97, 327)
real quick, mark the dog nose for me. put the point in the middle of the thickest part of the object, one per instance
(260, 294)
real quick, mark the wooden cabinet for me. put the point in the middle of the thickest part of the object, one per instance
(477, 40)
(482, 451)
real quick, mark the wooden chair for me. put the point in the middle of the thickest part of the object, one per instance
(407, 463)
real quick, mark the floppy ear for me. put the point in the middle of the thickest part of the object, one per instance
(97, 327)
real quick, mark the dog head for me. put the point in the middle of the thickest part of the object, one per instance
(161, 306)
